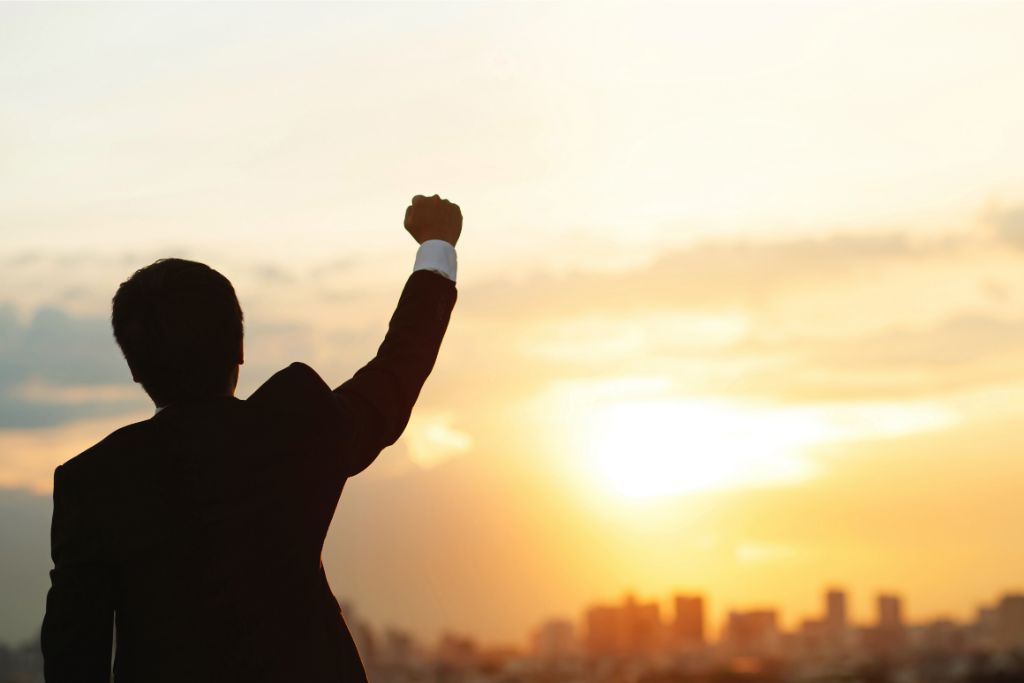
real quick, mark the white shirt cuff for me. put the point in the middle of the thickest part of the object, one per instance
(438, 256)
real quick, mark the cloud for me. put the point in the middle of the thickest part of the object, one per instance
(708, 275)
(836, 318)
(55, 367)
(957, 341)
(431, 439)
(268, 273)
(338, 265)
(1009, 225)
(961, 353)
(843, 317)
(55, 346)
(753, 552)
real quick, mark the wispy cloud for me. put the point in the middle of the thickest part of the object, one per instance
(56, 367)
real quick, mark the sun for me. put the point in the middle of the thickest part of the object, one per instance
(654, 448)
(632, 437)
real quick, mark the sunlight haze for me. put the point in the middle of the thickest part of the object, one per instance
(740, 293)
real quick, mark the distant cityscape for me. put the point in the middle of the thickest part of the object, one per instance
(632, 641)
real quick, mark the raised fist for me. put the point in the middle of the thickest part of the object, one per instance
(433, 218)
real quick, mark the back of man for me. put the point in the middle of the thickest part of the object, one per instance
(201, 528)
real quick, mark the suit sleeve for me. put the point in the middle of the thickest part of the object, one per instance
(78, 627)
(378, 399)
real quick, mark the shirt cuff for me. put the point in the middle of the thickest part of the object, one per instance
(438, 256)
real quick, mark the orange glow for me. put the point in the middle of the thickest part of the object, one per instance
(652, 448)
(740, 293)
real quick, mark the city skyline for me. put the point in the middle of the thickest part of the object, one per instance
(629, 639)
(887, 607)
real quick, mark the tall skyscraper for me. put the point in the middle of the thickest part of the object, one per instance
(835, 610)
(890, 612)
(631, 628)
(1010, 622)
(642, 625)
(688, 627)
(889, 636)
(835, 626)
(602, 631)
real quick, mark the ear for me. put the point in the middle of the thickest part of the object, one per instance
(241, 353)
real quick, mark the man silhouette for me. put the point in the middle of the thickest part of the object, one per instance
(199, 530)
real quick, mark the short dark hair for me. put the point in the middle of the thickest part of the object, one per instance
(179, 326)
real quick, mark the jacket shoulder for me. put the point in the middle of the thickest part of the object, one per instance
(98, 455)
(297, 378)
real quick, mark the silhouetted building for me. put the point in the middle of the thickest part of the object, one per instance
(837, 628)
(753, 633)
(688, 627)
(813, 638)
(984, 628)
(940, 636)
(643, 626)
(1009, 622)
(632, 628)
(555, 639)
(457, 651)
(603, 630)
(21, 664)
(399, 648)
(889, 636)
(835, 610)
(890, 612)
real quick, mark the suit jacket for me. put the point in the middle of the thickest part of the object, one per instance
(199, 531)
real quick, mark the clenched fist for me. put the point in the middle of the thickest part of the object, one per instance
(433, 218)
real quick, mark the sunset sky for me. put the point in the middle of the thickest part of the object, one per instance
(741, 306)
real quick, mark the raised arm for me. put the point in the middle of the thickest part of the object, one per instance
(379, 397)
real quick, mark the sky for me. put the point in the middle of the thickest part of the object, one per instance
(740, 293)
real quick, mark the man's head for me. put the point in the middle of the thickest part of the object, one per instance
(179, 326)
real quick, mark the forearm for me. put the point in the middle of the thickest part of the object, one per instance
(378, 400)
(380, 396)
